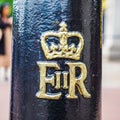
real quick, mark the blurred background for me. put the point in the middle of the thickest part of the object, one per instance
(110, 58)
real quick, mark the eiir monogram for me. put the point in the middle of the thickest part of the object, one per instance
(69, 79)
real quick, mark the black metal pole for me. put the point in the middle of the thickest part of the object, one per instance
(56, 70)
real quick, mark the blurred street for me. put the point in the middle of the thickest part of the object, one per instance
(4, 100)
(111, 90)
(110, 93)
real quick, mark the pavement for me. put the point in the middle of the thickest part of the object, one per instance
(110, 93)
(111, 90)
(4, 100)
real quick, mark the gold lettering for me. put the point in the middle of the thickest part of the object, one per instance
(77, 81)
(57, 80)
(43, 81)
(65, 80)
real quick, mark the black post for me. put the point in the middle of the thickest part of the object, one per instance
(56, 71)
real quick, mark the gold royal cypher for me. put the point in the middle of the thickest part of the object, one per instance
(62, 50)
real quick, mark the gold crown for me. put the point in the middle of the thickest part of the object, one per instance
(62, 50)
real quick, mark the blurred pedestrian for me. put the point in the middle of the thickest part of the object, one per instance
(5, 41)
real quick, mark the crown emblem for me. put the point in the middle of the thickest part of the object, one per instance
(62, 49)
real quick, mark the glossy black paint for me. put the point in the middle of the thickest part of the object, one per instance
(33, 17)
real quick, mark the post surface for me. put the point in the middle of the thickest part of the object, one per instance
(47, 85)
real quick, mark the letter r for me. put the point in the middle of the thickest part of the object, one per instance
(77, 81)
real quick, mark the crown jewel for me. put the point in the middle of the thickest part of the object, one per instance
(62, 49)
